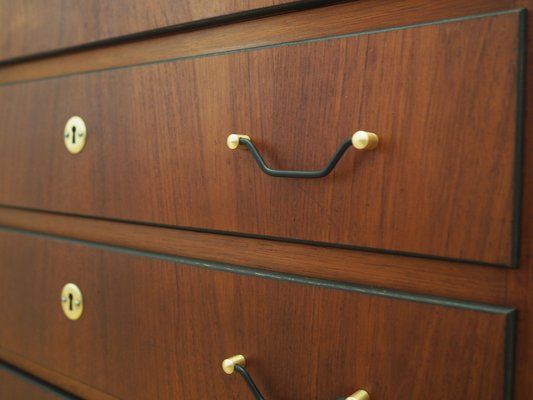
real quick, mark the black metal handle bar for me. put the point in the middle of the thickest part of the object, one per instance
(361, 140)
(238, 362)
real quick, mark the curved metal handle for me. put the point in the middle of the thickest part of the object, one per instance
(361, 140)
(238, 362)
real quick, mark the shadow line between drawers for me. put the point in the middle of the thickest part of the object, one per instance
(282, 44)
(35, 381)
(512, 265)
(261, 273)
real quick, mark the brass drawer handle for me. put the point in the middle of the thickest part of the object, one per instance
(238, 363)
(361, 140)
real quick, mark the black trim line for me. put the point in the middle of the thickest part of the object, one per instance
(34, 381)
(509, 356)
(519, 139)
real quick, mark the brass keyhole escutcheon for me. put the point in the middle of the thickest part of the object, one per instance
(72, 301)
(75, 134)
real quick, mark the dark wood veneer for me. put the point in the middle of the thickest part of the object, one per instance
(441, 183)
(157, 329)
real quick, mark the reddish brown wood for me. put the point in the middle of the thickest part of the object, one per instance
(440, 183)
(355, 16)
(157, 329)
(12, 387)
(30, 26)
(457, 280)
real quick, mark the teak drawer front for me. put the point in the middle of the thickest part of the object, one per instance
(159, 327)
(30, 26)
(16, 385)
(443, 99)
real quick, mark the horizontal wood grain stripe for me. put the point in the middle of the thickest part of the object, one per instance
(438, 278)
(337, 19)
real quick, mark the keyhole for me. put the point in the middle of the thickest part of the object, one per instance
(70, 301)
(73, 134)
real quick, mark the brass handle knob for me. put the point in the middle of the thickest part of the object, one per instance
(364, 140)
(237, 363)
(359, 395)
(361, 140)
(228, 365)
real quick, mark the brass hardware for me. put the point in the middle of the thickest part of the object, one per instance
(364, 140)
(359, 395)
(72, 301)
(75, 134)
(228, 365)
(233, 141)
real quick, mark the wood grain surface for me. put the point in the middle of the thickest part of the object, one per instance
(416, 275)
(158, 329)
(441, 183)
(354, 16)
(16, 386)
(30, 26)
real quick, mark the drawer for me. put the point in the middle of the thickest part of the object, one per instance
(444, 99)
(159, 327)
(30, 26)
(17, 385)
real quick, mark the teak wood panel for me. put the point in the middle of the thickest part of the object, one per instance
(17, 386)
(30, 26)
(154, 328)
(354, 16)
(442, 97)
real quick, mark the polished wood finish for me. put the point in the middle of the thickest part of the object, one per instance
(445, 167)
(14, 386)
(417, 275)
(355, 16)
(30, 26)
(158, 329)
(509, 287)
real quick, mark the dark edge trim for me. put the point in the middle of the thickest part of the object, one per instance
(34, 381)
(270, 46)
(278, 276)
(374, 250)
(297, 5)
(509, 356)
(519, 146)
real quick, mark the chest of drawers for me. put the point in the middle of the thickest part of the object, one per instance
(404, 272)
